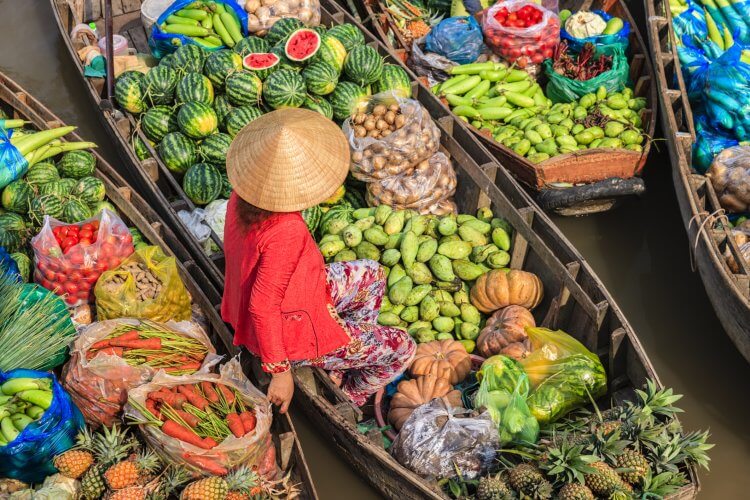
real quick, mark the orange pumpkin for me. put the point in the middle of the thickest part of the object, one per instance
(498, 288)
(446, 359)
(505, 333)
(413, 393)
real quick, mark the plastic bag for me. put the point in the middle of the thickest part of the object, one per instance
(694, 64)
(457, 38)
(74, 274)
(726, 93)
(730, 176)
(262, 14)
(216, 215)
(255, 450)
(563, 374)
(741, 237)
(563, 89)
(708, 143)
(523, 45)
(437, 441)
(605, 44)
(417, 139)
(690, 22)
(8, 266)
(118, 295)
(13, 165)
(422, 188)
(194, 222)
(28, 458)
(432, 66)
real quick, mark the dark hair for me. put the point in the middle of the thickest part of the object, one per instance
(249, 214)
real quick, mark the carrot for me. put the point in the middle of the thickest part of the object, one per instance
(150, 344)
(194, 366)
(207, 464)
(228, 394)
(177, 431)
(248, 421)
(235, 425)
(131, 335)
(170, 398)
(210, 392)
(151, 406)
(189, 418)
(193, 397)
(210, 442)
(115, 351)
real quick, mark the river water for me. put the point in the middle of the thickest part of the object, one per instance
(640, 251)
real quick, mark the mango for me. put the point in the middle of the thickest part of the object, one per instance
(426, 250)
(616, 101)
(577, 129)
(481, 253)
(337, 225)
(446, 239)
(363, 213)
(467, 271)
(428, 309)
(395, 222)
(394, 241)
(331, 248)
(417, 224)
(425, 335)
(613, 129)
(449, 309)
(417, 294)
(441, 296)
(441, 267)
(416, 325)
(601, 93)
(345, 255)
(631, 137)
(498, 259)
(468, 331)
(367, 250)
(351, 235)
(400, 290)
(443, 324)
(330, 237)
(454, 249)
(419, 273)
(365, 223)
(381, 214)
(464, 218)
(410, 314)
(397, 309)
(470, 345)
(385, 304)
(484, 214)
(432, 225)
(376, 236)
(478, 225)
(409, 248)
(444, 336)
(470, 314)
(471, 235)
(587, 100)
(397, 272)
(501, 238)
(390, 257)
(388, 319)
(461, 297)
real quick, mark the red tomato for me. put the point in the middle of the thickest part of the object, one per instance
(46, 284)
(515, 53)
(537, 58)
(127, 238)
(69, 242)
(60, 278)
(113, 262)
(95, 224)
(547, 53)
(512, 16)
(71, 288)
(75, 276)
(90, 280)
(63, 231)
(86, 234)
(107, 249)
(84, 295)
(50, 275)
(87, 227)
(84, 242)
(101, 266)
(71, 299)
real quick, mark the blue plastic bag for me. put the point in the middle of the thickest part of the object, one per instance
(726, 93)
(8, 266)
(28, 458)
(708, 143)
(162, 43)
(691, 22)
(605, 44)
(694, 63)
(457, 38)
(13, 165)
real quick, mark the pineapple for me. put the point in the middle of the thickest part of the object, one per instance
(527, 480)
(242, 482)
(109, 446)
(575, 491)
(412, 18)
(129, 493)
(76, 461)
(567, 463)
(92, 483)
(636, 463)
(210, 488)
(604, 481)
(127, 473)
(493, 488)
(172, 478)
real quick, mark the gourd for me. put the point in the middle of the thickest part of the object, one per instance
(505, 333)
(446, 359)
(413, 393)
(500, 288)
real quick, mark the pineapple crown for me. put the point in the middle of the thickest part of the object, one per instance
(661, 485)
(242, 480)
(655, 402)
(670, 449)
(567, 463)
(610, 445)
(147, 461)
(172, 478)
(112, 445)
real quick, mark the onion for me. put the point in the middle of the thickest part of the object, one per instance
(252, 5)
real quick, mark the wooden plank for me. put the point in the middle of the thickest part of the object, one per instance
(139, 39)
(116, 7)
(131, 6)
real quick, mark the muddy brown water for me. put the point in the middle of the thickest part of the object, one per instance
(640, 252)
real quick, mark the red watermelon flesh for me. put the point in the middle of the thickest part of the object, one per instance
(302, 45)
(260, 61)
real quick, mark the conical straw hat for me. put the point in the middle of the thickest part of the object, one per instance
(288, 160)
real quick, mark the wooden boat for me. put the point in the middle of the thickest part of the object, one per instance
(705, 222)
(136, 212)
(600, 178)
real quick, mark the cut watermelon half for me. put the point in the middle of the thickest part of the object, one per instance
(259, 61)
(302, 45)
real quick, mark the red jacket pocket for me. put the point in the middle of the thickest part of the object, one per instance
(300, 340)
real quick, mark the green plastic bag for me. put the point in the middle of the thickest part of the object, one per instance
(563, 89)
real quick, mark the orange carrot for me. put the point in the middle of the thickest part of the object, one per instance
(115, 351)
(153, 344)
(210, 442)
(193, 397)
(151, 406)
(228, 394)
(177, 431)
(207, 464)
(192, 366)
(235, 425)
(131, 335)
(210, 392)
(248, 420)
(189, 418)
(174, 400)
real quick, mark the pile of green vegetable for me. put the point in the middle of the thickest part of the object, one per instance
(22, 401)
(210, 24)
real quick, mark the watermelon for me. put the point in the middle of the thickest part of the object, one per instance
(140, 148)
(251, 45)
(363, 65)
(189, 58)
(312, 216)
(302, 45)
(226, 187)
(355, 198)
(159, 85)
(158, 122)
(331, 51)
(348, 99)
(68, 184)
(214, 149)
(42, 173)
(320, 29)
(167, 61)
(90, 189)
(239, 117)
(261, 64)
(202, 183)
(12, 222)
(47, 204)
(129, 92)
(58, 188)
(10, 240)
(24, 265)
(195, 87)
(98, 207)
(319, 104)
(282, 28)
(222, 108)
(335, 212)
(17, 196)
(197, 120)
(220, 64)
(394, 79)
(320, 77)
(177, 152)
(243, 88)
(284, 89)
(348, 34)
(77, 164)
(75, 210)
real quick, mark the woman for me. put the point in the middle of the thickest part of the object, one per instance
(285, 304)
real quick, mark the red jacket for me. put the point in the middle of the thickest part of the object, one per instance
(275, 291)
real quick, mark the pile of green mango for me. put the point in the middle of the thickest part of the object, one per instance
(430, 262)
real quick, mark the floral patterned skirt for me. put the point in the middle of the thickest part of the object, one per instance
(376, 354)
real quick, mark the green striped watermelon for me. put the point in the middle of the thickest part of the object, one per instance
(69, 184)
(159, 85)
(12, 222)
(129, 92)
(281, 30)
(261, 64)
(98, 207)
(158, 122)
(140, 148)
(320, 77)
(24, 265)
(90, 189)
(320, 29)
(194, 87)
(17, 196)
(222, 108)
(168, 61)
(348, 34)
(355, 198)
(75, 210)
(284, 89)
(220, 64)
(177, 152)
(251, 45)
(319, 104)
(394, 79)
(336, 212)
(197, 120)
(243, 88)
(202, 183)
(348, 99)
(239, 117)
(363, 65)
(58, 188)
(42, 173)
(77, 164)
(331, 51)
(302, 45)
(312, 216)
(47, 204)
(189, 58)
(226, 187)
(213, 149)
(10, 240)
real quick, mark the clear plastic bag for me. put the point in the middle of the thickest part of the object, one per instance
(459, 39)
(12, 163)
(421, 188)
(118, 296)
(262, 14)
(438, 441)
(198, 229)
(741, 237)
(216, 215)
(99, 385)
(74, 274)
(432, 66)
(605, 44)
(730, 176)
(521, 45)
(416, 139)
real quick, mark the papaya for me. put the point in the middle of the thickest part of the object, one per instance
(419, 273)
(409, 249)
(427, 249)
(455, 249)
(400, 290)
(467, 271)
(441, 267)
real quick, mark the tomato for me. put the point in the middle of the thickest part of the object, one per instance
(75, 276)
(87, 227)
(95, 224)
(71, 300)
(50, 275)
(60, 278)
(76, 257)
(91, 280)
(113, 262)
(107, 249)
(85, 234)
(127, 239)
(70, 287)
(537, 58)
(514, 53)
(69, 242)
(84, 295)
(46, 284)
(101, 266)
(84, 242)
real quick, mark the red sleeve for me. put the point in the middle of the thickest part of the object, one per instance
(279, 255)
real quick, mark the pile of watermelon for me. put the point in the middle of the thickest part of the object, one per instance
(194, 102)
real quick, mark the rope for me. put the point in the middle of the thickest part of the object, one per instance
(701, 229)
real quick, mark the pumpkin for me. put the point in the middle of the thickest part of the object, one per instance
(505, 333)
(413, 393)
(446, 359)
(499, 288)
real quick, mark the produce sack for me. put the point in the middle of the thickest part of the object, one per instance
(456, 38)
(262, 14)
(74, 273)
(523, 45)
(163, 43)
(145, 285)
(8, 266)
(28, 457)
(563, 89)
(726, 93)
(741, 236)
(254, 449)
(605, 44)
(438, 441)
(216, 216)
(730, 176)
(13, 165)
(432, 66)
(694, 63)
(563, 374)
(708, 143)
(690, 22)
(98, 380)
(415, 139)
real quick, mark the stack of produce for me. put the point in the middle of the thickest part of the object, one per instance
(212, 24)
(414, 19)
(521, 31)
(24, 400)
(262, 14)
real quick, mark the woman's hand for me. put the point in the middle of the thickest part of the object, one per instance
(281, 389)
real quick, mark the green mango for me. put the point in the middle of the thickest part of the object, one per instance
(631, 137)
(395, 222)
(400, 290)
(498, 259)
(376, 236)
(388, 319)
(444, 336)
(467, 271)
(397, 272)
(422, 238)
(484, 214)
(443, 324)
(455, 249)
(397, 309)
(345, 255)
(441, 267)
(424, 335)
(416, 325)
(390, 257)
(500, 222)
(587, 100)
(481, 253)
(426, 250)
(330, 237)
(469, 331)
(470, 345)
(363, 213)
(470, 314)
(366, 250)
(478, 225)
(441, 296)
(611, 142)
(394, 241)
(410, 314)
(409, 248)
(464, 218)
(501, 238)
(381, 214)
(601, 93)
(331, 248)
(417, 294)
(417, 224)
(461, 297)
(337, 225)
(547, 146)
(419, 273)
(447, 239)
(428, 309)
(566, 140)
(365, 223)
(351, 235)
(617, 101)
(385, 304)
(449, 309)
(432, 225)
(595, 143)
